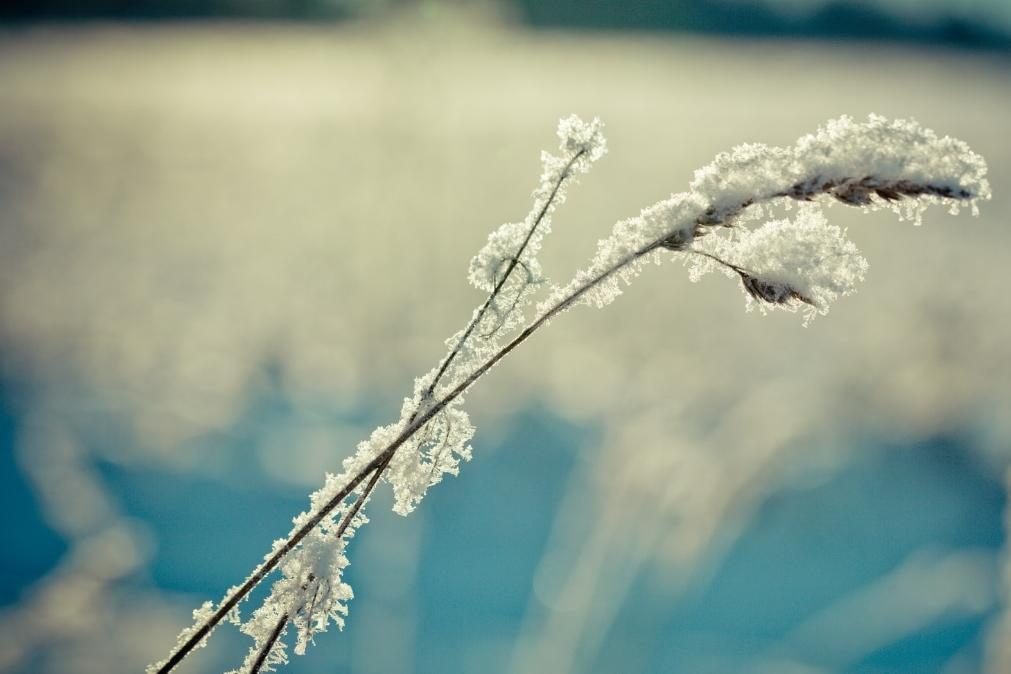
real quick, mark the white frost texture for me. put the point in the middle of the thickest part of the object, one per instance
(310, 593)
(799, 263)
(878, 163)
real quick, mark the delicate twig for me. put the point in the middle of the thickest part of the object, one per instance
(718, 260)
(676, 231)
(513, 262)
(382, 461)
(386, 455)
(266, 567)
(345, 523)
(360, 501)
(269, 645)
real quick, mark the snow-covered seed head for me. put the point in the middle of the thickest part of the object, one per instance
(786, 264)
(582, 138)
(772, 292)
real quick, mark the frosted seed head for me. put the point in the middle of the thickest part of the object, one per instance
(773, 292)
(893, 153)
(786, 264)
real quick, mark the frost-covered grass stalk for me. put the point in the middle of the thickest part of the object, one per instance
(799, 263)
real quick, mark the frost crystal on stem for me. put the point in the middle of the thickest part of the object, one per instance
(799, 263)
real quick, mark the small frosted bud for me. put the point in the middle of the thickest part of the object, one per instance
(577, 137)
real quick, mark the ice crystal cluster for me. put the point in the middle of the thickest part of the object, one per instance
(799, 262)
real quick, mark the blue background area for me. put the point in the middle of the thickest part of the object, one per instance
(484, 535)
(32, 547)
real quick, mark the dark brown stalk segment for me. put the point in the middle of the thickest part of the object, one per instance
(859, 191)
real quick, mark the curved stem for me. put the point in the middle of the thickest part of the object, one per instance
(513, 262)
(423, 415)
(382, 460)
(719, 260)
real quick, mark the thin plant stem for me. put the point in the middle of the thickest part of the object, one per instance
(382, 461)
(513, 262)
(345, 523)
(383, 458)
(719, 260)
(266, 567)
(801, 191)
(268, 645)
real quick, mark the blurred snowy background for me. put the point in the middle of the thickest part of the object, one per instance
(228, 246)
